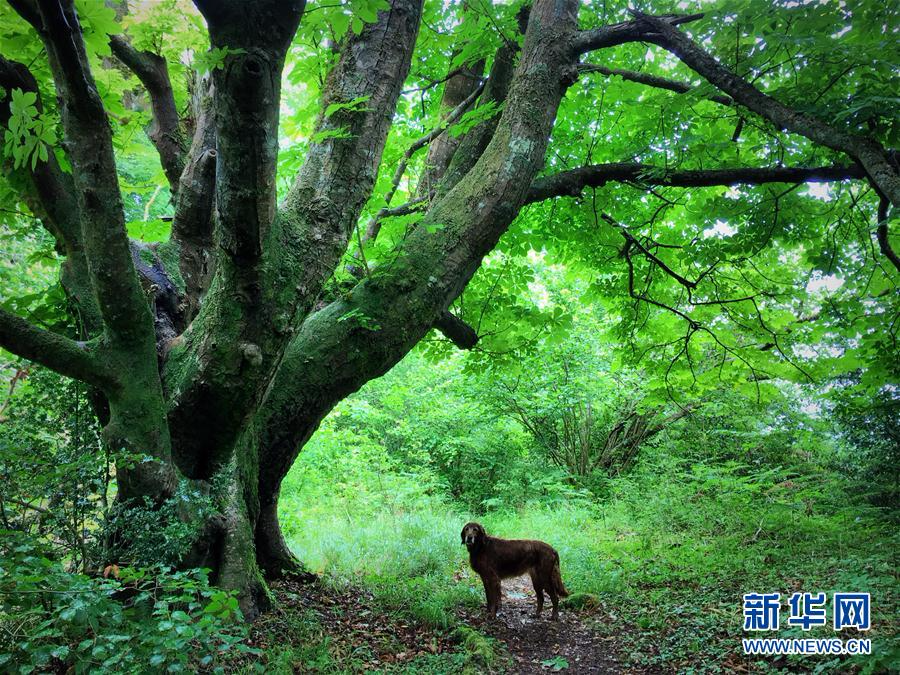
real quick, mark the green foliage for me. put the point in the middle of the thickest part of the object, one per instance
(98, 22)
(361, 319)
(738, 496)
(157, 534)
(473, 117)
(54, 474)
(28, 133)
(353, 105)
(134, 621)
(58, 482)
(461, 448)
(579, 414)
(214, 59)
(555, 664)
(149, 231)
(870, 423)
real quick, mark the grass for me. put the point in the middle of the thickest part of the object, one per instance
(410, 561)
(666, 555)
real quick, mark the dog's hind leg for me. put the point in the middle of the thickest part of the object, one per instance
(556, 588)
(538, 593)
(554, 598)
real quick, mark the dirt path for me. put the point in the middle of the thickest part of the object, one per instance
(358, 636)
(541, 645)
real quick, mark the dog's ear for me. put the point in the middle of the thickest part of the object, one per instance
(462, 535)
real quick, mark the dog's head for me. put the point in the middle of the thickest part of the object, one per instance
(472, 534)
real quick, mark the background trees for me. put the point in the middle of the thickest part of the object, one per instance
(218, 306)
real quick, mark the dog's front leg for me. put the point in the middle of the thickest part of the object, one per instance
(492, 591)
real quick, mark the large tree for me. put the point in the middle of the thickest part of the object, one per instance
(654, 157)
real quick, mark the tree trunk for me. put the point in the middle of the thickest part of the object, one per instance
(272, 553)
(234, 563)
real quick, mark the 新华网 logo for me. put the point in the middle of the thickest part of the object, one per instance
(762, 611)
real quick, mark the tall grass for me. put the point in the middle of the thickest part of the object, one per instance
(378, 528)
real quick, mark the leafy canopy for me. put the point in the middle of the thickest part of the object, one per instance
(787, 280)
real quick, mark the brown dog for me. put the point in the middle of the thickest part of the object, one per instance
(495, 559)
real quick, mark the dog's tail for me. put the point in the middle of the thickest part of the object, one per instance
(556, 580)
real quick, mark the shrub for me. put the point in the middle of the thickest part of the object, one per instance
(130, 621)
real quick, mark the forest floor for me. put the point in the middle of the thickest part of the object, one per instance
(315, 628)
(539, 645)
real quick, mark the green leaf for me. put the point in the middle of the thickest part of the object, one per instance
(351, 106)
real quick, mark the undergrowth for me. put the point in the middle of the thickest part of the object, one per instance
(667, 552)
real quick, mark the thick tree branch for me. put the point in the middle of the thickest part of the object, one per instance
(28, 10)
(375, 224)
(463, 152)
(89, 148)
(339, 173)
(466, 154)
(627, 31)
(883, 236)
(339, 195)
(572, 183)
(270, 269)
(456, 330)
(192, 224)
(866, 151)
(649, 80)
(247, 94)
(365, 333)
(57, 352)
(165, 128)
(461, 82)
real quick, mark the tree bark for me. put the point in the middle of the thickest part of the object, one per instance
(193, 221)
(573, 182)
(165, 127)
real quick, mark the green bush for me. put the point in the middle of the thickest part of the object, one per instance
(55, 476)
(133, 621)
(869, 423)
